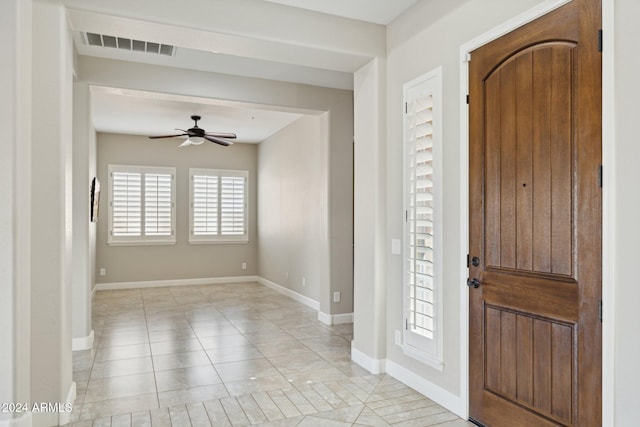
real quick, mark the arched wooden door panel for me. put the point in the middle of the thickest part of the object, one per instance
(535, 225)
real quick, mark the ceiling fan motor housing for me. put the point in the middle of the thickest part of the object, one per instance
(196, 131)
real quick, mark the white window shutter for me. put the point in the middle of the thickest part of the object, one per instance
(232, 205)
(126, 204)
(422, 337)
(142, 205)
(218, 210)
(205, 205)
(420, 212)
(158, 204)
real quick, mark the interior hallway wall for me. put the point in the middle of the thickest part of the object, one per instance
(52, 227)
(84, 231)
(15, 206)
(293, 207)
(368, 347)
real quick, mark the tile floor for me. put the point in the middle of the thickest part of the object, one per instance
(231, 355)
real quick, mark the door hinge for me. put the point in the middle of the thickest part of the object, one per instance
(600, 177)
(406, 216)
(406, 324)
(467, 99)
(600, 310)
(406, 107)
(468, 261)
(600, 40)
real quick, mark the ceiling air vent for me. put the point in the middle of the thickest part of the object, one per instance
(101, 40)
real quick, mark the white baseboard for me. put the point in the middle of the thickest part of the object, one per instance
(24, 420)
(375, 366)
(448, 400)
(335, 319)
(54, 417)
(442, 397)
(175, 282)
(83, 343)
(65, 417)
(291, 294)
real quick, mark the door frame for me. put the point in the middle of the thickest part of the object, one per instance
(608, 193)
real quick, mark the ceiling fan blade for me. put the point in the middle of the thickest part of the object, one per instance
(222, 135)
(218, 140)
(167, 136)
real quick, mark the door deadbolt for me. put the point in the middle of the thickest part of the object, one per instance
(475, 261)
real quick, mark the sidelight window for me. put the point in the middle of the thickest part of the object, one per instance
(422, 337)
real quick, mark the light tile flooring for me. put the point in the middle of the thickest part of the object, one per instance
(231, 355)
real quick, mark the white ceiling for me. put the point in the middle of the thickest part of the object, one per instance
(376, 11)
(148, 113)
(144, 113)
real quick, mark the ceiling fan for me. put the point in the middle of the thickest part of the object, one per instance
(197, 136)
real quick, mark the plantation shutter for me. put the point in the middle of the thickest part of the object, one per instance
(205, 205)
(232, 202)
(142, 205)
(422, 253)
(126, 204)
(158, 204)
(420, 215)
(218, 206)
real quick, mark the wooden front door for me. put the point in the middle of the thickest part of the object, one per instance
(535, 223)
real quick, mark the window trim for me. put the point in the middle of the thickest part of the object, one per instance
(142, 239)
(219, 238)
(426, 350)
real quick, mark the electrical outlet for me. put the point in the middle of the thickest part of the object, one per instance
(244, 265)
(103, 271)
(304, 281)
(398, 337)
(336, 296)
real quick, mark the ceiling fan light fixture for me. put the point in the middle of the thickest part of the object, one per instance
(195, 140)
(197, 136)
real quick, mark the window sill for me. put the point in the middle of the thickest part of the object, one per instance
(218, 242)
(421, 356)
(142, 243)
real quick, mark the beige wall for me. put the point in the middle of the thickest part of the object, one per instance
(293, 207)
(182, 260)
(340, 216)
(427, 36)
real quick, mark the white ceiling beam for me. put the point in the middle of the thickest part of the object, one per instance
(245, 28)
